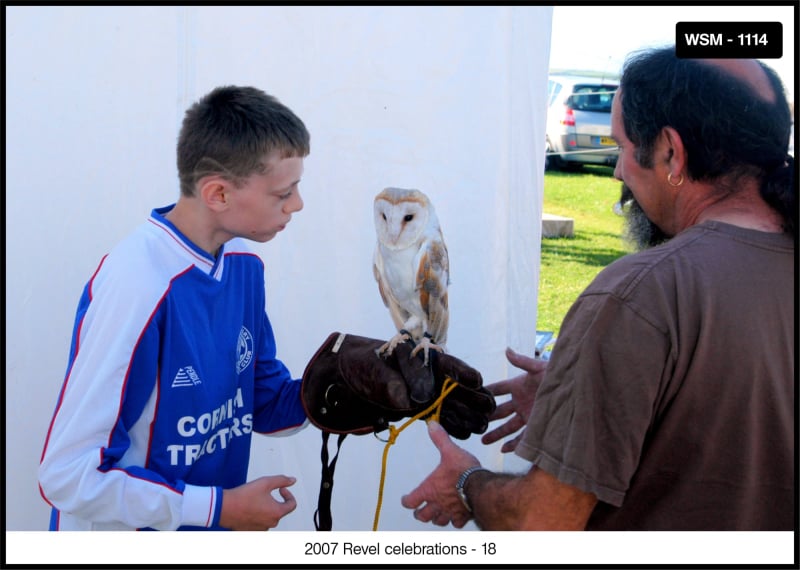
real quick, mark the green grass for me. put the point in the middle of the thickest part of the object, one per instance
(569, 264)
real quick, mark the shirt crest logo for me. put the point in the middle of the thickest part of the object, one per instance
(244, 350)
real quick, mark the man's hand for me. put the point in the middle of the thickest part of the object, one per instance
(523, 393)
(252, 507)
(435, 499)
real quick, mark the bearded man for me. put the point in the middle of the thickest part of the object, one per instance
(668, 400)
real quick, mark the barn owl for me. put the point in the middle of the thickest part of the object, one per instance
(412, 269)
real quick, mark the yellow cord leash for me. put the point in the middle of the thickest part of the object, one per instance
(448, 386)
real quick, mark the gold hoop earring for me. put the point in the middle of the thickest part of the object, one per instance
(671, 183)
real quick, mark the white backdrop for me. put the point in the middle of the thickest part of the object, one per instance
(449, 100)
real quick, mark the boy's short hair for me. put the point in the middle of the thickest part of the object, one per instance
(231, 130)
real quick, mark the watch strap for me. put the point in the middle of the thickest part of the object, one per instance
(462, 481)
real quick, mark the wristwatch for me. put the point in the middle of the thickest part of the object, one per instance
(462, 481)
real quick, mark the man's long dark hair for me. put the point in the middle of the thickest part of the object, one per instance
(728, 130)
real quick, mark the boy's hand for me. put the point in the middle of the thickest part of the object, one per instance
(252, 507)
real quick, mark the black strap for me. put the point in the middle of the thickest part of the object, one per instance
(322, 517)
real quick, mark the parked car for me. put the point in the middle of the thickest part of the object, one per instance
(579, 121)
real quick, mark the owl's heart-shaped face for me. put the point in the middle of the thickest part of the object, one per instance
(401, 217)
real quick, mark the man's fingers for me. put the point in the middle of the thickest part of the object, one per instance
(500, 387)
(491, 436)
(442, 520)
(503, 430)
(525, 362)
(438, 435)
(427, 513)
(412, 500)
(460, 520)
(503, 410)
(510, 445)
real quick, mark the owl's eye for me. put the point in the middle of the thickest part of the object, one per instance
(384, 217)
(408, 217)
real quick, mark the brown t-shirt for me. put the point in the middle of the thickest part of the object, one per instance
(670, 390)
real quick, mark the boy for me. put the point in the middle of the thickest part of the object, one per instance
(173, 361)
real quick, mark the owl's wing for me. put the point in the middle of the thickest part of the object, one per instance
(433, 278)
(399, 316)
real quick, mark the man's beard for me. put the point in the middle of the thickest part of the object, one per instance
(639, 231)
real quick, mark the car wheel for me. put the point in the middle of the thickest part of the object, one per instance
(551, 161)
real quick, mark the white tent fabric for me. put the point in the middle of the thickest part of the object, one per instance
(447, 99)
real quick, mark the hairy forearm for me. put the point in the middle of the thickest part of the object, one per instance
(493, 497)
(535, 501)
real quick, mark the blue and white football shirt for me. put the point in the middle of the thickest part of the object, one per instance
(172, 367)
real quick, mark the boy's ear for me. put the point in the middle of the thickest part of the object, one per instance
(214, 192)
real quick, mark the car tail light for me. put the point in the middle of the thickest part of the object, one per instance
(569, 117)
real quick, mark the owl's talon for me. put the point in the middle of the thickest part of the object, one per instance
(426, 345)
(388, 347)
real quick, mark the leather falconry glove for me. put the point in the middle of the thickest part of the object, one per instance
(348, 388)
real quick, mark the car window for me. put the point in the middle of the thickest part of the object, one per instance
(595, 98)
